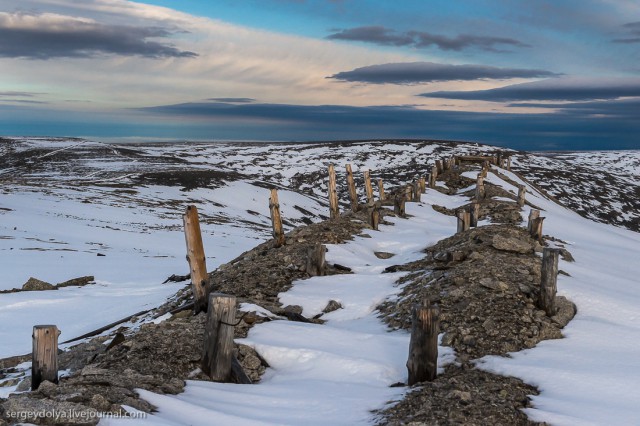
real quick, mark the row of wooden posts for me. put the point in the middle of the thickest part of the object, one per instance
(219, 361)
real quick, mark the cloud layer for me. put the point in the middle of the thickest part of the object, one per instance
(427, 72)
(421, 39)
(549, 90)
(48, 35)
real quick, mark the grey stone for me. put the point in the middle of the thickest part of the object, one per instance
(24, 385)
(295, 309)
(332, 306)
(48, 389)
(494, 284)
(79, 282)
(510, 244)
(34, 284)
(383, 254)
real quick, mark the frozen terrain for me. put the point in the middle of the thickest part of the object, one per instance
(71, 207)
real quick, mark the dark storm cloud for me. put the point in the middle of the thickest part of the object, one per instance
(567, 129)
(233, 100)
(633, 33)
(547, 90)
(422, 39)
(425, 72)
(46, 37)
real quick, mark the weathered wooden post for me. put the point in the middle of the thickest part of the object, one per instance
(431, 180)
(480, 192)
(548, 281)
(398, 204)
(381, 193)
(509, 163)
(423, 185)
(374, 216)
(474, 210)
(434, 173)
(217, 355)
(521, 194)
(446, 165)
(352, 189)
(417, 193)
(316, 265)
(408, 191)
(439, 167)
(536, 228)
(334, 210)
(276, 219)
(499, 159)
(196, 258)
(422, 364)
(367, 186)
(533, 214)
(463, 220)
(44, 358)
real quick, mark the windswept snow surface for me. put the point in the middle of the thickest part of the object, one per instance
(591, 376)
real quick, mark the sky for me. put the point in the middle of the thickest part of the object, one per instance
(543, 75)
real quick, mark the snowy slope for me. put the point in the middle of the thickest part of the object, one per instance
(64, 202)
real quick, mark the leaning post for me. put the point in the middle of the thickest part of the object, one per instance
(352, 189)
(196, 258)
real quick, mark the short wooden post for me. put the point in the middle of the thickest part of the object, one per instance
(480, 192)
(218, 354)
(398, 204)
(533, 214)
(417, 193)
(367, 187)
(196, 259)
(374, 217)
(44, 358)
(316, 265)
(422, 364)
(463, 220)
(509, 163)
(431, 180)
(446, 165)
(276, 219)
(536, 228)
(499, 159)
(408, 191)
(381, 193)
(474, 210)
(434, 173)
(521, 194)
(423, 184)
(334, 210)
(439, 166)
(352, 189)
(548, 281)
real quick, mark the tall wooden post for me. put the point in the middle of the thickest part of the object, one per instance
(218, 337)
(352, 189)
(367, 187)
(446, 165)
(474, 210)
(417, 193)
(533, 214)
(381, 193)
(548, 281)
(434, 173)
(439, 166)
(480, 192)
(536, 228)
(521, 194)
(509, 163)
(334, 210)
(431, 180)
(423, 185)
(422, 364)
(44, 358)
(196, 258)
(276, 219)
(316, 265)
(398, 204)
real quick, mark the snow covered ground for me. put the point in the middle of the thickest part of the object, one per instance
(58, 211)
